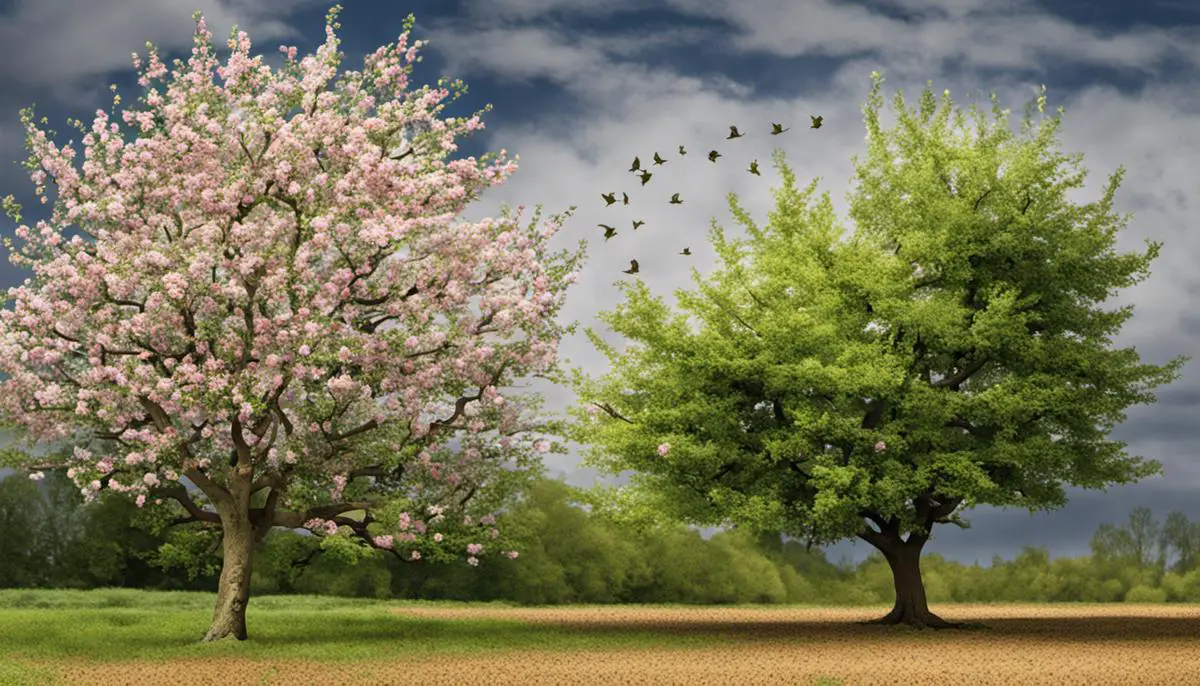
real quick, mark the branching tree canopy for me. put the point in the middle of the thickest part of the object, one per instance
(950, 352)
(222, 321)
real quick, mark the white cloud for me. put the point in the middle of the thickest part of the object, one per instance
(67, 44)
(1005, 35)
(492, 10)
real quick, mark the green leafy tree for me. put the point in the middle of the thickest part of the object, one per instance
(284, 557)
(952, 352)
(60, 522)
(1133, 544)
(1183, 537)
(1146, 535)
(1111, 542)
(22, 564)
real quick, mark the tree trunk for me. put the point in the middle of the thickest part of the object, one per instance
(233, 592)
(911, 608)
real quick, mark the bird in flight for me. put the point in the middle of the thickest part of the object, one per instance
(646, 177)
(609, 198)
(777, 129)
(675, 199)
(637, 223)
(624, 198)
(733, 133)
(686, 251)
(682, 151)
(659, 160)
(637, 164)
(754, 168)
(816, 121)
(713, 155)
(609, 231)
(633, 267)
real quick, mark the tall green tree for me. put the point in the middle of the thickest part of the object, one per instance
(60, 520)
(1134, 543)
(22, 562)
(951, 352)
(1183, 537)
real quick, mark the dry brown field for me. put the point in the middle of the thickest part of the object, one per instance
(1095, 645)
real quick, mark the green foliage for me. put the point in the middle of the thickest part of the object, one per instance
(23, 562)
(1145, 594)
(328, 575)
(567, 556)
(277, 563)
(959, 327)
(1183, 588)
(191, 550)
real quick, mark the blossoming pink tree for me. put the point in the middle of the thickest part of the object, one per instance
(224, 324)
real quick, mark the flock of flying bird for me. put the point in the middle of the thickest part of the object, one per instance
(645, 174)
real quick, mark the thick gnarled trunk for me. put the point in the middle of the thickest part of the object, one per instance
(911, 607)
(233, 592)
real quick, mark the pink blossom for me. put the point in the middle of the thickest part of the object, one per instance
(300, 289)
(437, 537)
(880, 447)
(474, 562)
(416, 555)
(512, 554)
(664, 449)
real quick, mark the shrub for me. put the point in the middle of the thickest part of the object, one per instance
(1145, 594)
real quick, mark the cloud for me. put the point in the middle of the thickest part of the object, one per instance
(971, 33)
(493, 10)
(67, 44)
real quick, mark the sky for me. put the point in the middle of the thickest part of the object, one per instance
(579, 87)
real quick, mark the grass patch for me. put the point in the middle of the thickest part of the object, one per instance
(122, 625)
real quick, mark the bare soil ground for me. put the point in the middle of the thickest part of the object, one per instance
(1032, 644)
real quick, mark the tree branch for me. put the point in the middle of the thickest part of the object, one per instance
(613, 413)
(955, 380)
(180, 495)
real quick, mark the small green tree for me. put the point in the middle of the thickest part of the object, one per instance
(22, 563)
(950, 353)
(1183, 537)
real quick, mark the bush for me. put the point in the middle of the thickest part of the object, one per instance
(1184, 588)
(1145, 594)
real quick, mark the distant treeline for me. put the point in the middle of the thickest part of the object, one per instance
(52, 540)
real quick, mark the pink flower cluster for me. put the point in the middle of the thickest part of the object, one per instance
(200, 158)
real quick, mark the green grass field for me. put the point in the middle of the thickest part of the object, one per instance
(124, 625)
